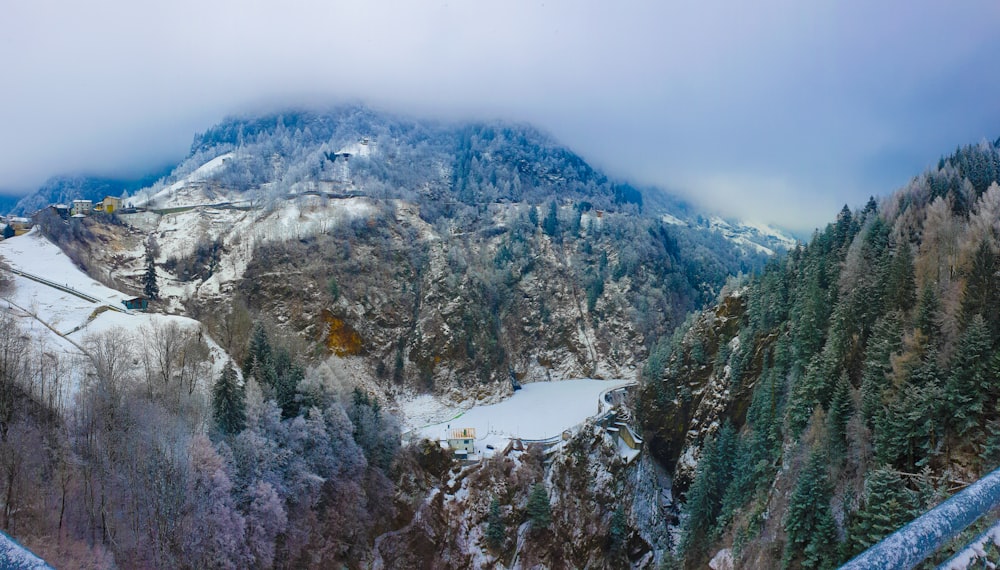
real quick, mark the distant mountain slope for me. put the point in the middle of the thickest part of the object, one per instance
(441, 254)
(7, 204)
(65, 189)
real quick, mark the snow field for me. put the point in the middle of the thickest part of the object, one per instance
(60, 323)
(540, 410)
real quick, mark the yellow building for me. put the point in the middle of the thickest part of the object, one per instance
(109, 205)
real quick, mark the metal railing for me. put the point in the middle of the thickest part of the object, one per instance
(922, 537)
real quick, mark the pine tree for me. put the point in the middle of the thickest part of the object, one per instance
(229, 402)
(539, 510)
(886, 340)
(812, 532)
(617, 532)
(964, 392)
(704, 500)
(981, 295)
(928, 319)
(259, 362)
(496, 530)
(550, 225)
(901, 287)
(841, 410)
(150, 288)
(885, 507)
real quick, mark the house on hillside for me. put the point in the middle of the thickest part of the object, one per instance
(61, 210)
(463, 439)
(20, 225)
(136, 304)
(83, 207)
(109, 205)
(628, 436)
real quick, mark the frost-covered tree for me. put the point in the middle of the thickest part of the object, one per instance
(215, 530)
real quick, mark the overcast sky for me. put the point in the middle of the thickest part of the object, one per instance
(777, 111)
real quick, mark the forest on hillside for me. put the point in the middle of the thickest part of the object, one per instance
(871, 381)
(152, 468)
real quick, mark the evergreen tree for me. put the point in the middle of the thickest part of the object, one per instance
(901, 286)
(964, 392)
(982, 288)
(886, 340)
(911, 422)
(704, 500)
(539, 510)
(841, 410)
(150, 288)
(809, 524)
(496, 530)
(550, 225)
(886, 506)
(259, 362)
(229, 402)
(8, 231)
(928, 319)
(618, 532)
(287, 376)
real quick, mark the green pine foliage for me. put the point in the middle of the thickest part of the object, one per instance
(150, 287)
(964, 391)
(840, 413)
(275, 372)
(496, 529)
(886, 506)
(229, 402)
(812, 532)
(885, 326)
(539, 509)
(704, 500)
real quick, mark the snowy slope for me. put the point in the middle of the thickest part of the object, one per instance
(62, 322)
(539, 410)
(750, 236)
(13, 556)
(183, 192)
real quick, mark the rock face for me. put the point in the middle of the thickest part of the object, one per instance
(699, 387)
(605, 512)
(448, 258)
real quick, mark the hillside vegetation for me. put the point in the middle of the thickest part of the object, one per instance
(849, 387)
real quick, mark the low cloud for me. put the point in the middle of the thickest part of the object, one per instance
(720, 100)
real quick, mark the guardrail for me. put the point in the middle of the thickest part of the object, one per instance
(66, 289)
(913, 543)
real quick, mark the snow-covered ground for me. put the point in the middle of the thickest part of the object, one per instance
(540, 410)
(60, 322)
(171, 193)
(13, 556)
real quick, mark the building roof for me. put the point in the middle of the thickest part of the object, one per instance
(463, 433)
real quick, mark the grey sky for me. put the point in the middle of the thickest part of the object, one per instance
(778, 111)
